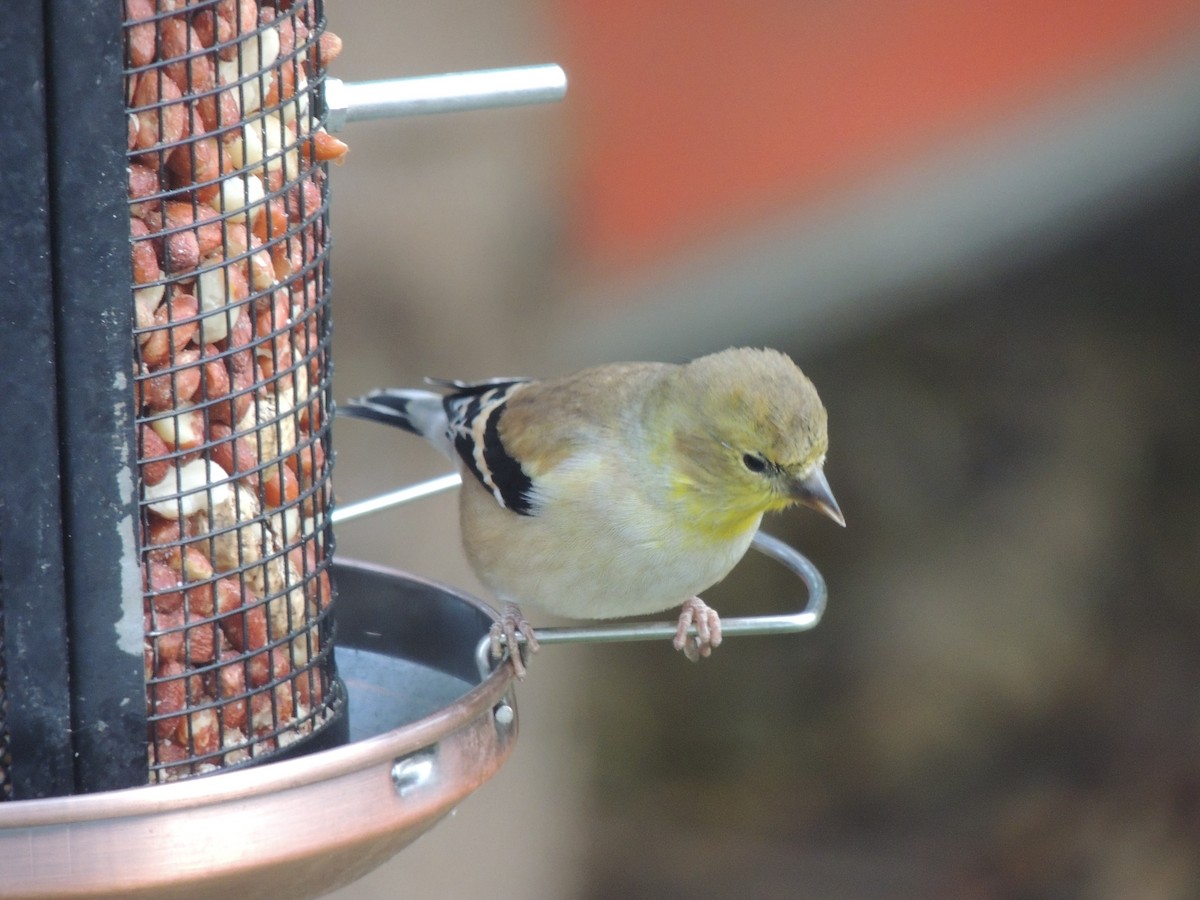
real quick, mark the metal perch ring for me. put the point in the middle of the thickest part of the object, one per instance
(803, 620)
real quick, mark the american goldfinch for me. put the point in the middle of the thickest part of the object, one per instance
(623, 489)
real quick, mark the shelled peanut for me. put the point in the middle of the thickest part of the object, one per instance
(228, 239)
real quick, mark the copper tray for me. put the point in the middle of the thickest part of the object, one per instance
(425, 731)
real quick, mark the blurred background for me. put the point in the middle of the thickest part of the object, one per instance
(975, 227)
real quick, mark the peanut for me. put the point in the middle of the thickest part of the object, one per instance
(207, 231)
(167, 628)
(270, 707)
(195, 71)
(219, 286)
(214, 26)
(272, 225)
(142, 255)
(143, 181)
(279, 486)
(246, 630)
(153, 455)
(208, 27)
(329, 48)
(236, 455)
(183, 431)
(163, 585)
(199, 731)
(168, 696)
(215, 383)
(139, 45)
(325, 147)
(267, 667)
(195, 567)
(231, 685)
(175, 386)
(160, 111)
(196, 486)
(197, 164)
(219, 111)
(229, 595)
(173, 327)
(241, 370)
(201, 644)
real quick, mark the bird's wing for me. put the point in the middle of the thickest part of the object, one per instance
(520, 438)
(474, 387)
(474, 410)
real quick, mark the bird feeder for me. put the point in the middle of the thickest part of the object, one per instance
(173, 711)
(194, 695)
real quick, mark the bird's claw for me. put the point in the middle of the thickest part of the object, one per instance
(697, 613)
(514, 631)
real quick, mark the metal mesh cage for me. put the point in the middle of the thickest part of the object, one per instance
(228, 214)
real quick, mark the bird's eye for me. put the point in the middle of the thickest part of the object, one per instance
(754, 463)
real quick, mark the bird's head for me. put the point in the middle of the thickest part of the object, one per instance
(748, 435)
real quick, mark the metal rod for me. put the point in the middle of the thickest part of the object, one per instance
(451, 92)
(422, 489)
(803, 620)
(787, 623)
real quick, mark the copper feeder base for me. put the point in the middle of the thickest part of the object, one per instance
(425, 732)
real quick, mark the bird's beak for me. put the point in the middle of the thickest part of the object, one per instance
(813, 490)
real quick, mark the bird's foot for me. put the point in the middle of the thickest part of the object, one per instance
(708, 629)
(514, 634)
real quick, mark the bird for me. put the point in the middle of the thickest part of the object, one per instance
(623, 489)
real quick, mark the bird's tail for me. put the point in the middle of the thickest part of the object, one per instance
(422, 413)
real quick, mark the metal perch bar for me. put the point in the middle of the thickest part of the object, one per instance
(398, 497)
(785, 623)
(805, 619)
(451, 92)
(795, 561)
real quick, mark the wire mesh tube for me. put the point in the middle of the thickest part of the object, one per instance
(228, 204)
